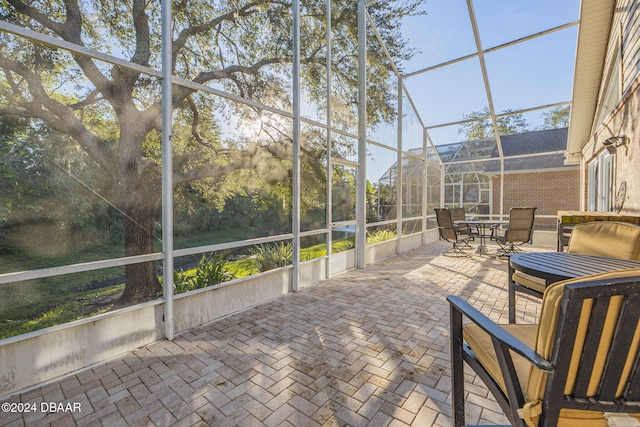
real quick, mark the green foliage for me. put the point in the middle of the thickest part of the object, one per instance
(209, 271)
(380, 235)
(556, 118)
(273, 255)
(313, 252)
(344, 244)
(482, 127)
(248, 212)
(343, 193)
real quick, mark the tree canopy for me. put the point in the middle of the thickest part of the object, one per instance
(482, 126)
(556, 118)
(510, 123)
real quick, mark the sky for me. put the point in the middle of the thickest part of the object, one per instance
(529, 74)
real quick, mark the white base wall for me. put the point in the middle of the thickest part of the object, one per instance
(410, 242)
(545, 239)
(380, 251)
(204, 305)
(312, 272)
(40, 356)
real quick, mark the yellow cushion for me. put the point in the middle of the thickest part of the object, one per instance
(481, 344)
(529, 281)
(606, 238)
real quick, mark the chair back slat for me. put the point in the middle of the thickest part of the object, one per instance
(632, 392)
(622, 344)
(606, 376)
(458, 214)
(591, 348)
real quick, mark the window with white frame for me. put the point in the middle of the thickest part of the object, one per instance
(592, 185)
(600, 183)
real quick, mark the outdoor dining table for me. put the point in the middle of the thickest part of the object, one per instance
(482, 225)
(553, 267)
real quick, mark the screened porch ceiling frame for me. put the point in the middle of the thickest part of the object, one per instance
(594, 25)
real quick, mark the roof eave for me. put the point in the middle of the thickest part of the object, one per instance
(593, 36)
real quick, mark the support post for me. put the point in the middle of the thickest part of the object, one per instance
(167, 170)
(295, 192)
(425, 186)
(361, 187)
(399, 169)
(329, 214)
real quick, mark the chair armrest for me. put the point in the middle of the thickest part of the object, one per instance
(498, 333)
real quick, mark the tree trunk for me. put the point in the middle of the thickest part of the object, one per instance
(141, 279)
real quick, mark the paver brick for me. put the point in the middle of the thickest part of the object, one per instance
(365, 348)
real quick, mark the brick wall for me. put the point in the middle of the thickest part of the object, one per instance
(549, 192)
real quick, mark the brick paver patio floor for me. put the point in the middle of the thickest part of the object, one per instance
(366, 348)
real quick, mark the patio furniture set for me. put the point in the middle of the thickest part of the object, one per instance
(454, 227)
(580, 364)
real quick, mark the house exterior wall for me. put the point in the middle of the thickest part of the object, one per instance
(623, 58)
(622, 121)
(549, 192)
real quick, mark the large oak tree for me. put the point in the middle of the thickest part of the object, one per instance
(112, 114)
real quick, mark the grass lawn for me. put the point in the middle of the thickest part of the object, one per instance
(36, 304)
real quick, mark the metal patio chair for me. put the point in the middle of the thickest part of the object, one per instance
(459, 239)
(459, 214)
(518, 232)
(579, 366)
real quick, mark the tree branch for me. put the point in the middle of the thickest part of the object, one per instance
(194, 123)
(34, 14)
(56, 114)
(191, 31)
(143, 38)
(213, 172)
(92, 98)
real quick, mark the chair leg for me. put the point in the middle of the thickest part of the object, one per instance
(509, 248)
(457, 369)
(512, 297)
(456, 247)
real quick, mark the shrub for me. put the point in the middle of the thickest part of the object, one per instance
(208, 272)
(380, 236)
(273, 255)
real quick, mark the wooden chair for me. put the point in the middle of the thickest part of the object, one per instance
(458, 238)
(578, 365)
(518, 232)
(600, 238)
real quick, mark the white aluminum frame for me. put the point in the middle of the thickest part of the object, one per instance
(166, 76)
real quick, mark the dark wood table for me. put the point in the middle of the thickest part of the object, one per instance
(556, 266)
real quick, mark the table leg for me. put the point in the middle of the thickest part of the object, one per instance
(481, 236)
(482, 230)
